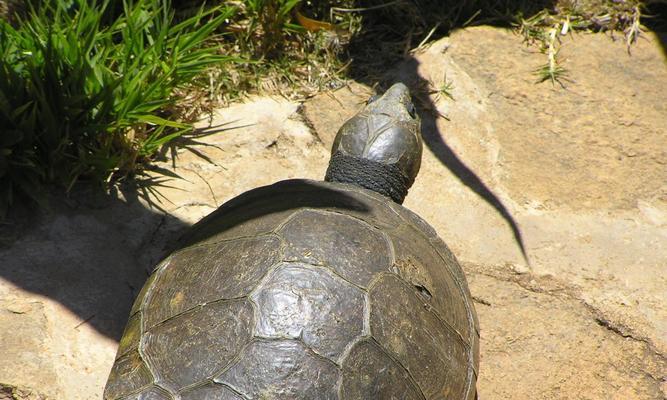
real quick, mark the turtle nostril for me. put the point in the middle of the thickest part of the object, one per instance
(411, 109)
(373, 98)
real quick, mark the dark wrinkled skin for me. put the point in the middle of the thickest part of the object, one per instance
(308, 290)
(386, 131)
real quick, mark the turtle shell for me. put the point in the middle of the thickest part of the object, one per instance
(303, 290)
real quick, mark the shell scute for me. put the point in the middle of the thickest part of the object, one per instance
(193, 346)
(435, 355)
(281, 369)
(352, 248)
(310, 303)
(419, 264)
(148, 285)
(131, 336)
(369, 373)
(413, 219)
(152, 393)
(210, 391)
(450, 259)
(128, 374)
(203, 274)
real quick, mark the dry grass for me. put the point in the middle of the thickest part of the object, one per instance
(544, 29)
(359, 39)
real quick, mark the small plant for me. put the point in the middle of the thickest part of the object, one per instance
(553, 70)
(547, 26)
(85, 98)
(291, 52)
(269, 21)
(445, 89)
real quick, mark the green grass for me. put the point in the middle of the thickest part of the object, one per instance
(444, 89)
(86, 99)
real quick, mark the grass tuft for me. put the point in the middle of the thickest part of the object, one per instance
(445, 89)
(88, 97)
(545, 28)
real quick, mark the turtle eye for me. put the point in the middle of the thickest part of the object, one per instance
(412, 110)
(373, 98)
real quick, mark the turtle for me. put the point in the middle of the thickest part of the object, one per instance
(311, 289)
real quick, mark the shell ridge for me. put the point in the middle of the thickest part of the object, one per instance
(211, 381)
(430, 309)
(196, 308)
(326, 267)
(398, 362)
(457, 283)
(308, 351)
(162, 391)
(143, 330)
(231, 363)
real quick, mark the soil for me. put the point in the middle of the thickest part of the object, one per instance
(554, 199)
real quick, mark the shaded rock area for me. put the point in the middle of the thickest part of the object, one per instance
(580, 173)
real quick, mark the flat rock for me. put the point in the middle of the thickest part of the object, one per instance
(538, 341)
(24, 334)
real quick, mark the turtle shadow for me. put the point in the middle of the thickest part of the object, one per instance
(655, 20)
(274, 202)
(92, 253)
(383, 33)
(436, 143)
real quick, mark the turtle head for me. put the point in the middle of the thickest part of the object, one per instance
(380, 148)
